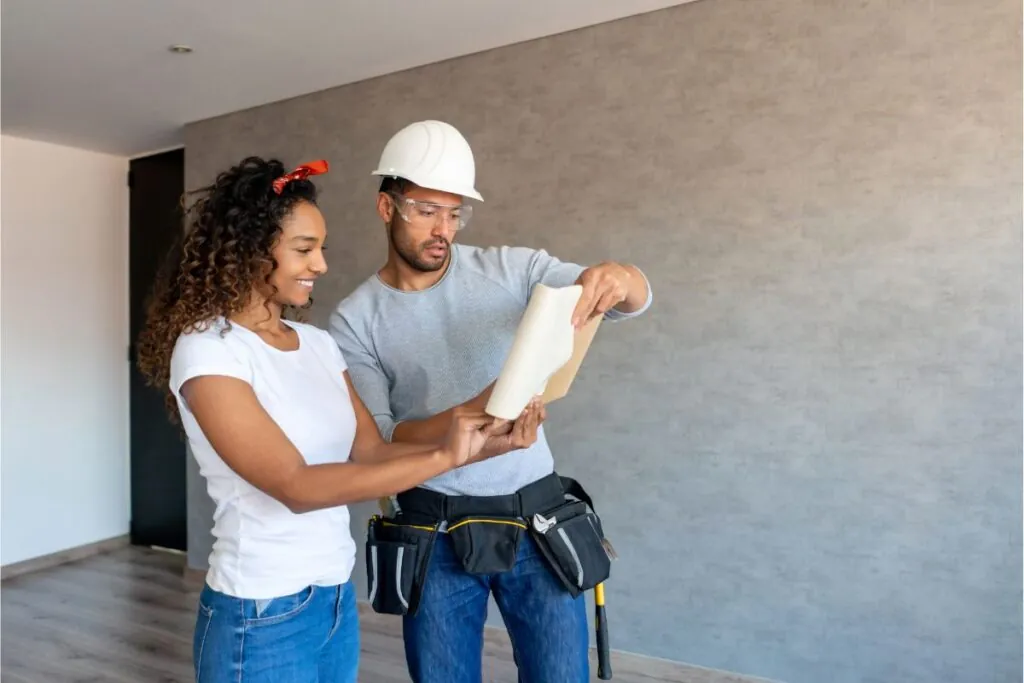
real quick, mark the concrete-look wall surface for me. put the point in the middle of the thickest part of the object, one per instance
(808, 453)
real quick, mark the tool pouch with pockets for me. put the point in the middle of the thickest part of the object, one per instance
(486, 544)
(572, 541)
(397, 559)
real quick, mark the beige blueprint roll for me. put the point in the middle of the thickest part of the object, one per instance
(546, 352)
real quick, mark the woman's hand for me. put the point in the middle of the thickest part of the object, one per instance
(467, 434)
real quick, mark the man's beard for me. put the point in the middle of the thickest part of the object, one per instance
(411, 254)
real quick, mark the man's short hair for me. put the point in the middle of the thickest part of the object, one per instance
(391, 184)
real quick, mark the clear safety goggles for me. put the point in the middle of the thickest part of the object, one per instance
(427, 215)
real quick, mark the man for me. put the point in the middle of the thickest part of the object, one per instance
(430, 332)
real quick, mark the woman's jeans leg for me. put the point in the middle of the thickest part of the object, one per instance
(309, 636)
(548, 628)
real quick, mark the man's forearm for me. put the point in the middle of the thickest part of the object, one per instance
(433, 430)
(495, 445)
(429, 431)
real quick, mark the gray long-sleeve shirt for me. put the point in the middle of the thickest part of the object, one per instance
(412, 355)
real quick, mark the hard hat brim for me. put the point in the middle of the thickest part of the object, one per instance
(440, 187)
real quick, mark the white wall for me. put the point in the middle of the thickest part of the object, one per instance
(63, 348)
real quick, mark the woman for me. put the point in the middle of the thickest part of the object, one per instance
(280, 435)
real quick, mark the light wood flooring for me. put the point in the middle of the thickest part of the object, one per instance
(126, 617)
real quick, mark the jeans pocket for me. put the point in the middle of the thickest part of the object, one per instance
(204, 615)
(276, 610)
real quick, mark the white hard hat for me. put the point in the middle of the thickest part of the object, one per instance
(431, 154)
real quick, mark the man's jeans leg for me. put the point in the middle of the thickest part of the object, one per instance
(547, 626)
(548, 629)
(444, 640)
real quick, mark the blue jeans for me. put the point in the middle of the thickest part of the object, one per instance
(547, 627)
(309, 637)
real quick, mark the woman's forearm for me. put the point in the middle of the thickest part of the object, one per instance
(383, 451)
(314, 487)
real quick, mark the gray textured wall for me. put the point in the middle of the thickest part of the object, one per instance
(808, 454)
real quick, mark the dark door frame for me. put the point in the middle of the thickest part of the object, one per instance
(159, 511)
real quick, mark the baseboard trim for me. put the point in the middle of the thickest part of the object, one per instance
(194, 578)
(626, 663)
(60, 557)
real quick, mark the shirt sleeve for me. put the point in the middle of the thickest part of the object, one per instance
(366, 373)
(197, 354)
(546, 269)
(549, 270)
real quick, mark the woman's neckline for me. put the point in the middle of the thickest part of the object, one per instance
(267, 344)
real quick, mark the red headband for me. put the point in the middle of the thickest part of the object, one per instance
(300, 173)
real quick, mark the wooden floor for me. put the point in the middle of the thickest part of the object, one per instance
(127, 617)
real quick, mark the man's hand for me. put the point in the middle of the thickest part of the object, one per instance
(506, 436)
(605, 286)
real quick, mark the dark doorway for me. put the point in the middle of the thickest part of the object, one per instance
(159, 512)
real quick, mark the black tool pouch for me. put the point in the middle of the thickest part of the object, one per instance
(486, 544)
(571, 539)
(397, 559)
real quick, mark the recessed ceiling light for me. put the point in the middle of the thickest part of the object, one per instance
(180, 49)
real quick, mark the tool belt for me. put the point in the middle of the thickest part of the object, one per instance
(485, 532)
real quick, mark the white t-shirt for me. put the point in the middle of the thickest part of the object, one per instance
(261, 548)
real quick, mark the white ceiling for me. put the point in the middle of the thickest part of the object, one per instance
(98, 74)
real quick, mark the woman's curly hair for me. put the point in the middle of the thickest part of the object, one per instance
(223, 256)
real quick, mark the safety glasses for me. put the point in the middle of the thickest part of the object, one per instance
(427, 215)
